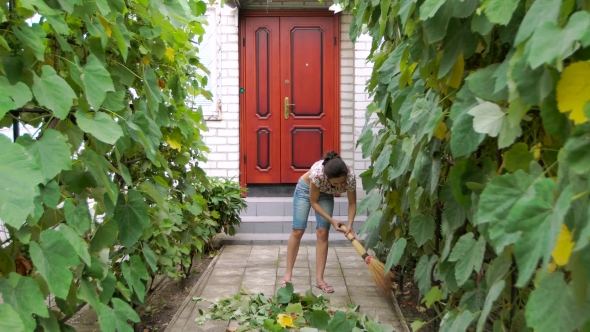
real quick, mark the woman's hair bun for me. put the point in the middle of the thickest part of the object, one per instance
(329, 156)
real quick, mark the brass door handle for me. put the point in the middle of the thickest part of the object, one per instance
(287, 108)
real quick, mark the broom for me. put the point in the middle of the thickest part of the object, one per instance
(382, 280)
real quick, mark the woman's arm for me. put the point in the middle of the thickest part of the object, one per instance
(314, 198)
(351, 209)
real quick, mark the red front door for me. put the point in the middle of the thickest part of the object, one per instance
(289, 98)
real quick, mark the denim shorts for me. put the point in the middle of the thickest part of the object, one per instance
(302, 205)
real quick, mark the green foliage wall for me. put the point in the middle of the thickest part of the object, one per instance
(108, 84)
(480, 156)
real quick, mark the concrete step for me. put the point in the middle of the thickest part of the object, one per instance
(283, 224)
(283, 206)
(276, 238)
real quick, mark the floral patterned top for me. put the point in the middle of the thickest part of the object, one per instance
(320, 180)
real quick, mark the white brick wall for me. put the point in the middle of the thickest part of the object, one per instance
(223, 137)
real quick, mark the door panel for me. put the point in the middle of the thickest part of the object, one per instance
(287, 58)
(307, 53)
(262, 96)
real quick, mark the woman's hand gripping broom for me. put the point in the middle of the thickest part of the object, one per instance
(382, 280)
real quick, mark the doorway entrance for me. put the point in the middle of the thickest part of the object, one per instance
(290, 108)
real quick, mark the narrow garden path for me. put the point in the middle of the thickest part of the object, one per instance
(261, 268)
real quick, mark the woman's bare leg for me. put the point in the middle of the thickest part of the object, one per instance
(321, 254)
(292, 250)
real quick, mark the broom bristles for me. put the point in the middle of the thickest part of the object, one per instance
(382, 280)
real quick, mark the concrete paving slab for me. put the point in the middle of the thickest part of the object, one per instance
(225, 280)
(271, 263)
(227, 271)
(261, 269)
(297, 271)
(258, 272)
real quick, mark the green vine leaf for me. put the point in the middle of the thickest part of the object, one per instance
(19, 174)
(562, 313)
(115, 319)
(395, 254)
(494, 293)
(429, 8)
(22, 294)
(500, 11)
(468, 254)
(540, 12)
(134, 271)
(422, 229)
(132, 217)
(99, 125)
(10, 319)
(53, 92)
(51, 152)
(96, 81)
(53, 258)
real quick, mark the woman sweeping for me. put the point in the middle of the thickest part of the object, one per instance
(316, 189)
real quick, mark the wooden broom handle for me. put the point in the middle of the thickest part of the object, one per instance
(356, 244)
(349, 236)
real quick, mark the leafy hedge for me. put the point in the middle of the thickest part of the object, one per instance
(107, 192)
(478, 135)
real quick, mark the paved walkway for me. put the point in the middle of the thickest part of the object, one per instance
(261, 269)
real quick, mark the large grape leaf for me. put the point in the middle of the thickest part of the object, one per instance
(104, 236)
(31, 37)
(422, 229)
(101, 126)
(488, 118)
(494, 293)
(25, 297)
(154, 96)
(496, 201)
(115, 319)
(77, 216)
(459, 39)
(456, 321)
(369, 204)
(464, 140)
(576, 149)
(53, 258)
(96, 81)
(422, 274)
(540, 12)
(396, 252)
(482, 84)
(371, 222)
(429, 8)
(500, 11)
(12, 96)
(132, 217)
(382, 161)
(80, 246)
(52, 152)
(19, 175)
(539, 218)
(150, 256)
(552, 306)
(468, 254)
(53, 92)
(134, 271)
(145, 131)
(50, 194)
(11, 320)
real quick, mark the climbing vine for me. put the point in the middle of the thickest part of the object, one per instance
(105, 192)
(478, 139)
